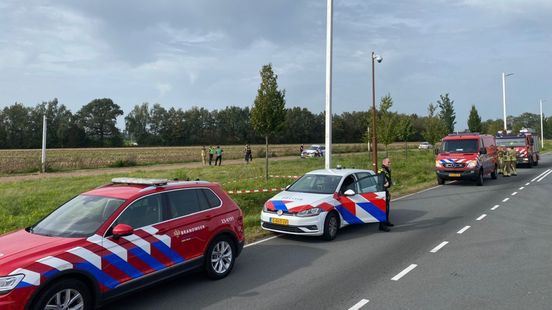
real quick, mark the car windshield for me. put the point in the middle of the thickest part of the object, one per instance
(459, 146)
(314, 148)
(510, 142)
(79, 217)
(316, 183)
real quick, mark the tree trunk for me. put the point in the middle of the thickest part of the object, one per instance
(266, 158)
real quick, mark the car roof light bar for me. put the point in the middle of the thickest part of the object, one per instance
(140, 181)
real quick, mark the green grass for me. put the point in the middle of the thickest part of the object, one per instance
(547, 146)
(25, 202)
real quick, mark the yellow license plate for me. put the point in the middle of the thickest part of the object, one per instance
(279, 221)
(454, 174)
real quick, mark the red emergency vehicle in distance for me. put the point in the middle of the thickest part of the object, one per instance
(466, 156)
(526, 143)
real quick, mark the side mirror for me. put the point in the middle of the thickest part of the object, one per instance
(483, 151)
(122, 230)
(349, 192)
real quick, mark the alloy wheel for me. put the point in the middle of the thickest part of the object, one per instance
(67, 299)
(221, 257)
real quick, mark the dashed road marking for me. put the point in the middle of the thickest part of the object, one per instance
(481, 217)
(404, 272)
(461, 231)
(440, 246)
(514, 193)
(521, 188)
(495, 207)
(527, 184)
(359, 304)
(505, 199)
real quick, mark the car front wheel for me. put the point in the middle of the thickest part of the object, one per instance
(65, 294)
(220, 258)
(331, 225)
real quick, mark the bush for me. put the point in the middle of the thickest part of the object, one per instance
(129, 161)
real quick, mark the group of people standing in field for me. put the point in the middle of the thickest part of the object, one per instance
(507, 160)
(212, 152)
(217, 152)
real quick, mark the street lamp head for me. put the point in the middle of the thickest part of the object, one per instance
(378, 58)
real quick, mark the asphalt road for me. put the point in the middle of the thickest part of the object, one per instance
(502, 261)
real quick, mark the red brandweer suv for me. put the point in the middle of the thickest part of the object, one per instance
(118, 238)
(466, 156)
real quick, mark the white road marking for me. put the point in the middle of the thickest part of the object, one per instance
(359, 304)
(538, 176)
(514, 193)
(544, 176)
(437, 248)
(481, 217)
(425, 190)
(495, 207)
(505, 199)
(521, 188)
(261, 241)
(527, 184)
(404, 272)
(461, 231)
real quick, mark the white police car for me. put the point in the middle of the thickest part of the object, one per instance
(322, 201)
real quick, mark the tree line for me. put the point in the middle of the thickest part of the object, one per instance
(94, 125)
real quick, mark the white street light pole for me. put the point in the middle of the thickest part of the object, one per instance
(542, 127)
(504, 98)
(329, 34)
(43, 159)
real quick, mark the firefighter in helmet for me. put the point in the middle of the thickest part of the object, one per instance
(512, 156)
(501, 156)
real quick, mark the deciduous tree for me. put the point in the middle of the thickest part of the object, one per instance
(98, 118)
(268, 112)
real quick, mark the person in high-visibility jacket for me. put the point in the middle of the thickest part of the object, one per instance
(512, 156)
(501, 155)
(388, 182)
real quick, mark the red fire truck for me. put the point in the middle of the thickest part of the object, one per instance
(526, 143)
(466, 156)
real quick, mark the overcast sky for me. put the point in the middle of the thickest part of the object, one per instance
(208, 53)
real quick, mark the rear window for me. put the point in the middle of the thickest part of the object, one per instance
(510, 142)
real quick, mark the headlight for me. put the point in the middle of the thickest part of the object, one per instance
(265, 209)
(438, 164)
(310, 212)
(472, 163)
(10, 282)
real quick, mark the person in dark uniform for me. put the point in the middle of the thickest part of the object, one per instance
(386, 171)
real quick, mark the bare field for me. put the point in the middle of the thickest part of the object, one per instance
(28, 161)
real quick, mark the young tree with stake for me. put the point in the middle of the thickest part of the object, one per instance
(268, 112)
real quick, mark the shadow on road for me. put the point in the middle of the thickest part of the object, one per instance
(194, 290)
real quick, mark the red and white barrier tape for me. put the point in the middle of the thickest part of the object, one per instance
(250, 191)
(260, 177)
(285, 176)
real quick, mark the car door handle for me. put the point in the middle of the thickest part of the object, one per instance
(207, 217)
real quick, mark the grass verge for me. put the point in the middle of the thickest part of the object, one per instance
(25, 202)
